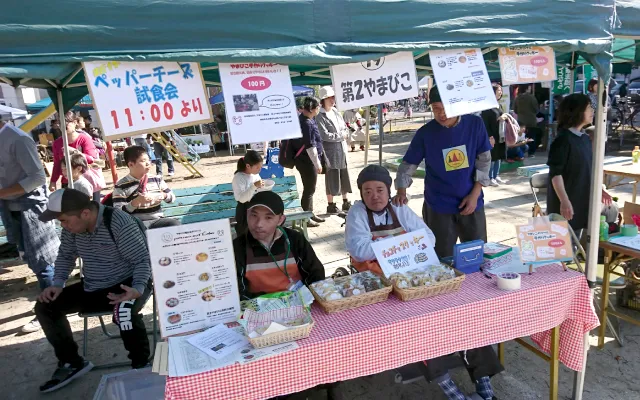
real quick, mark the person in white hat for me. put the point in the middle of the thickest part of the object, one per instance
(334, 133)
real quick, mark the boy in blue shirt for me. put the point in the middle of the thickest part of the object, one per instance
(457, 156)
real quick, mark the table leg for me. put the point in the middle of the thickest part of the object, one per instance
(501, 353)
(604, 297)
(554, 363)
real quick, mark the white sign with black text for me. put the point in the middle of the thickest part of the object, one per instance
(389, 78)
(259, 102)
(463, 81)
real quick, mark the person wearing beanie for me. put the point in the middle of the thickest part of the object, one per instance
(457, 156)
(375, 218)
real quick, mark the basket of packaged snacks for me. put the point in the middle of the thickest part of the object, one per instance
(424, 282)
(278, 326)
(352, 291)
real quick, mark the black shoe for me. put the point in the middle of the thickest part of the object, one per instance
(312, 224)
(346, 205)
(64, 374)
(332, 209)
(317, 219)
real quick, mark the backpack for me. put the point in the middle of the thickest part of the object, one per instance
(511, 130)
(287, 154)
(107, 217)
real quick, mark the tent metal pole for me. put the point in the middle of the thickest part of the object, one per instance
(367, 115)
(593, 229)
(65, 141)
(380, 133)
(66, 81)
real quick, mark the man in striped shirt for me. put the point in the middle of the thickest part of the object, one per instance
(139, 193)
(117, 271)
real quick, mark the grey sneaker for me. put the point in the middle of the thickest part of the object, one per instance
(332, 209)
(346, 205)
(65, 374)
(32, 326)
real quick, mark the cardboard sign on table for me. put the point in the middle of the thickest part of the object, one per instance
(463, 81)
(195, 276)
(542, 241)
(259, 102)
(527, 64)
(405, 252)
(142, 97)
(386, 79)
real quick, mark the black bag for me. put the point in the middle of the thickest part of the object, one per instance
(288, 154)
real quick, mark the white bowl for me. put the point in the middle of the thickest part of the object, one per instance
(268, 185)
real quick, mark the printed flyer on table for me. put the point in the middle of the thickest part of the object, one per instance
(195, 276)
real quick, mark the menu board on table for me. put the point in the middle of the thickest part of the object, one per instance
(142, 97)
(195, 276)
(527, 64)
(405, 252)
(463, 81)
(386, 79)
(541, 241)
(259, 102)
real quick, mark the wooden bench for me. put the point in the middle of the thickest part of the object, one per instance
(208, 203)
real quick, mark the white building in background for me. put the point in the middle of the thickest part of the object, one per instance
(19, 98)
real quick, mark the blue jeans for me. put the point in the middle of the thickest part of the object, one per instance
(160, 151)
(495, 169)
(43, 274)
(517, 152)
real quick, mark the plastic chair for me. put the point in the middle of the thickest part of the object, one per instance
(100, 315)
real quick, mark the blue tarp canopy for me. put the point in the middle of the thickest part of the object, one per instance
(307, 35)
(298, 91)
(628, 13)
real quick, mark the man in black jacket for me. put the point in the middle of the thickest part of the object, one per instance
(269, 257)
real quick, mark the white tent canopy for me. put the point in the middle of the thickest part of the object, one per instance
(12, 113)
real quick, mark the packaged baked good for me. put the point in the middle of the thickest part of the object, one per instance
(333, 295)
(400, 280)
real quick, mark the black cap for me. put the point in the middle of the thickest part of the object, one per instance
(63, 201)
(269, 200)
(374, 172)
(434, 95)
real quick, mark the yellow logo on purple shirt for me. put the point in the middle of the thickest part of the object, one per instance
(455, 158)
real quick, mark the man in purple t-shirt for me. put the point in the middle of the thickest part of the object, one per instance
(457, 156)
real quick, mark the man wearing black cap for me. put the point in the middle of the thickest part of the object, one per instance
(457, 156)
(117, 271)
(376, 218)
(269, 257)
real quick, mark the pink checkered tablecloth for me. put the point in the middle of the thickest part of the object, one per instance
(384, 336)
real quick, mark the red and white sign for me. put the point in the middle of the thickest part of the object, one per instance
(259, 102)
(138, 97)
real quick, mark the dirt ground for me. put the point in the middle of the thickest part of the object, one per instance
(26, 361)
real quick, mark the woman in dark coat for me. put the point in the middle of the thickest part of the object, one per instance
(570, 163)
(491, 120)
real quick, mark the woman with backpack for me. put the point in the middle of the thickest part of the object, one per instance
(491, 119)
(309, 152)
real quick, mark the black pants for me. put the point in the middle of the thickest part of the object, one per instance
(73, 299)
(241, 218)
(309, 175)
(449, 227)
(535, 133)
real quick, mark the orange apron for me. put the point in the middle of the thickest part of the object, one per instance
(379, 232)
(264, 276)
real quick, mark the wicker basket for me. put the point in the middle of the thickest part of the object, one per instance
(422, 292)
(347, 303)
(289, 335)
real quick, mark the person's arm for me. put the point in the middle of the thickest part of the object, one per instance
(310, 267)
(121, 201)
(412, 222)
(558, 155)
(66, 260)
(56, 171)
(132, 245)
(169, 196)
(483, 154)
(88, 148)
(324, 125)
(243, 188)
(309, 141)
(240, 252)
(357, 234)
(26, 156)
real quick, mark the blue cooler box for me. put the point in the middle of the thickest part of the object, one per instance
(468, 256)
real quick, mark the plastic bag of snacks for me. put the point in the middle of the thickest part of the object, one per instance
(347, 286)
(422, 277)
